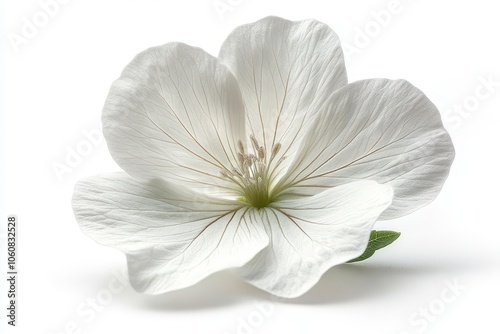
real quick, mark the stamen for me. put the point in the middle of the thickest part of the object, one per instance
(253, 174)
(262, 166)
(241, 159)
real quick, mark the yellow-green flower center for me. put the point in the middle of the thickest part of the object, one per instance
(253, 174)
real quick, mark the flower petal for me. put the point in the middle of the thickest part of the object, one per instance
(173, 238)
(175, 113)
(379, 129)
(286, 70)
(312, 234)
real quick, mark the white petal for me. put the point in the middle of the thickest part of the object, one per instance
(286, 70)
(310, 235)
(380, 129)
(173, 238)
(176, 113)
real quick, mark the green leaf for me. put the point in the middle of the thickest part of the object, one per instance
(378, 240)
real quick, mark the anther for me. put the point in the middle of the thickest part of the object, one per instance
(255, 144)
(240, 147)
(261, 153)
(275, 150)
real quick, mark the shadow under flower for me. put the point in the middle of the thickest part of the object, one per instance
(218, 290)
(340, 284)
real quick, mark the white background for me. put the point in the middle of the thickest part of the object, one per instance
(53, 87)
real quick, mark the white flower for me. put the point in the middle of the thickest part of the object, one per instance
(264, 160)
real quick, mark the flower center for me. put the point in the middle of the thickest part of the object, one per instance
(253, 174)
